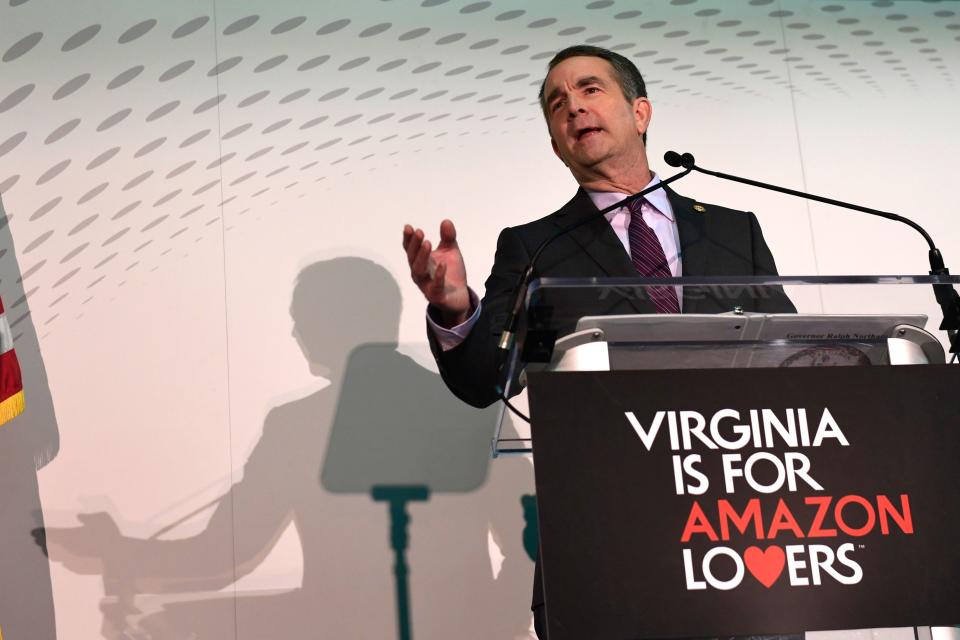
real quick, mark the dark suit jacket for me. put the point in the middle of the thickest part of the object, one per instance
(714, 241)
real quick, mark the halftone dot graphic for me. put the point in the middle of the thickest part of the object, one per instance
(353, 64)
(453, 37)
(313, 63)
(483, 44)
(162, 110)
(314, 122)
(243, 178)
(457, 71)
(328, 143)
(138, 180)
(403, 94)
(150, 225)
(176, 70)
(273, 62)
(73, 253)
(393, 64)
(81, 38)
(288, 25)
(93, 193)
(706, 13)
(196, 137)
(225, 66)
(414, 33)
(151, 146)
(276, 126)
(381, 118)
(12, 142)
(137, 31)
(253, 98)
(375, 30)
(39, 240)
(221, 160)
(433, 95)
(22, 46)
(333, 27)
(190, 27)
(348, 120)
(206, 187)
(6, 185)
(296, 95)
(543, 22)
(103, 158)
(167, 198)
(430, 66)
(330, 95)
(463, 96)
(210, 103)
(26, 274)
(433, 3)
(60, 282)
(598, 38)
(358, 141)
(71, 86)
(515, 49)
(16, 97)
(369, 94)
(259, 153)
(294, 148)
(240, 25)
(53, 172)
(45, 208)
(729, 23)
(475, 7)
(125, 77)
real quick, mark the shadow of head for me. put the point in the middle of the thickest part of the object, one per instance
(341, 303)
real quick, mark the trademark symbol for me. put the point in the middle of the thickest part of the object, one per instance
(861, 546)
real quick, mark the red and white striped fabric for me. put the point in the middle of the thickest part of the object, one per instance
(11, 384)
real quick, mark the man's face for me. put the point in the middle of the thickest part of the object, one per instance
(589, 119)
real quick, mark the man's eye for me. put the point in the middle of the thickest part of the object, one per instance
(593, 89)
(557, 104)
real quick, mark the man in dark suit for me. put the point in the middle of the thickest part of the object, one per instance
(597, 113)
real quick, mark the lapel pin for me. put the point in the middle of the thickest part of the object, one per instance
(699, 208)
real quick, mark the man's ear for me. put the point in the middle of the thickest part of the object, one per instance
(642, 113)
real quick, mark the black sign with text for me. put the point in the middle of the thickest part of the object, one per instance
(747, 501)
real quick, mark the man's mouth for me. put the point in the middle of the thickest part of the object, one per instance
(587, 131)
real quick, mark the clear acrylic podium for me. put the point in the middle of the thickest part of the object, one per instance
(748, 322)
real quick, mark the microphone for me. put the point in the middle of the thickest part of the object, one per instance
(675, 159)
(947, 296)
(509, 329)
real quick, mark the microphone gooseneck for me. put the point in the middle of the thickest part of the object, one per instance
(947, 296)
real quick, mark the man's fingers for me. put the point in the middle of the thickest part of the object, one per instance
(448, 232)
(412, 245)
(421, 262)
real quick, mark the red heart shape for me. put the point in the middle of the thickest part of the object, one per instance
(766, 566)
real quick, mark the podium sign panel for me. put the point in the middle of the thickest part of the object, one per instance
(691, 503)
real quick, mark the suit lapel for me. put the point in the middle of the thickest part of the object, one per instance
(596, 238)
(690, 225)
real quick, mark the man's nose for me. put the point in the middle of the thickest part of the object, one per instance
(574, 108)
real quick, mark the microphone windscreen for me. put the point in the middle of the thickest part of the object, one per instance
(673, 158)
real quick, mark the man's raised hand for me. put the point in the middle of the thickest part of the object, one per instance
(440, 272)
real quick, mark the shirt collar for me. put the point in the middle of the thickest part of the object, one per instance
(657, 199)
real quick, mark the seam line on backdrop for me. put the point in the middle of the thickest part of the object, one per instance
(226, 326)
(803, 171)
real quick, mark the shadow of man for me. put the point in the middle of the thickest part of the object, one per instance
(340, 307)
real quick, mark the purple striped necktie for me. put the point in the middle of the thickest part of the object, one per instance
(649, 260)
